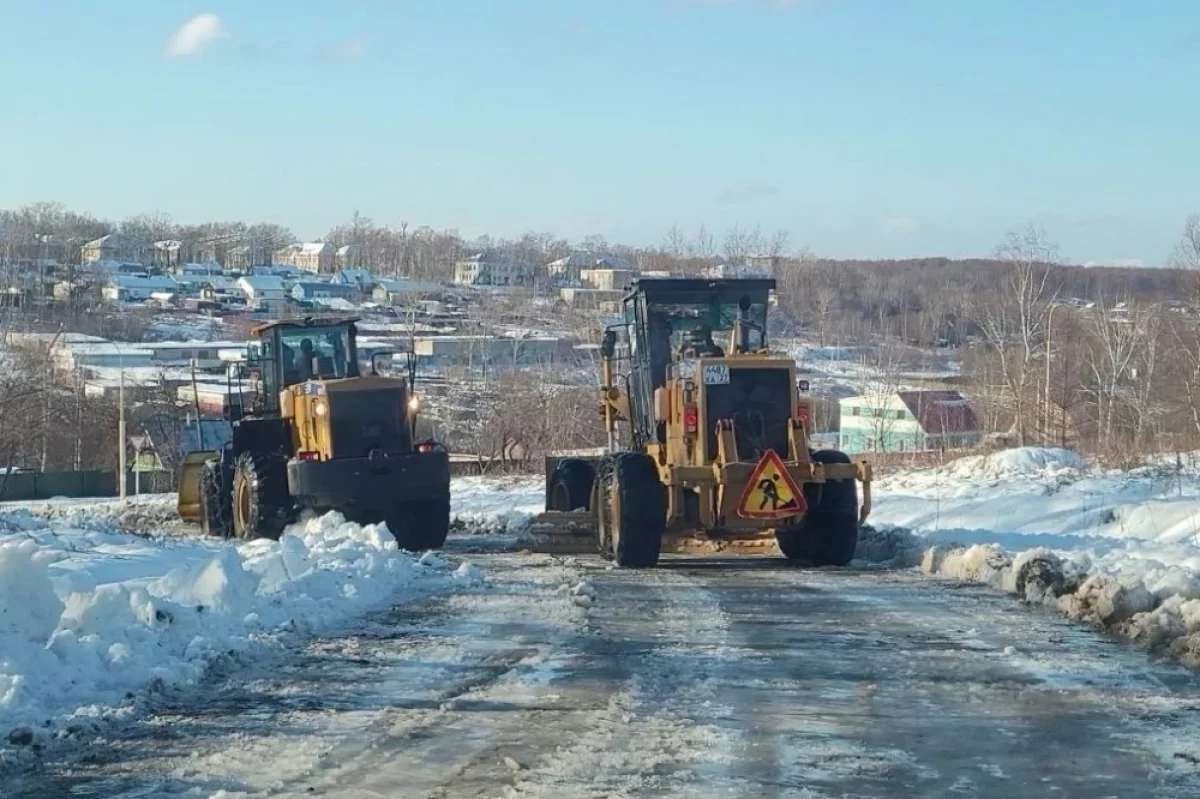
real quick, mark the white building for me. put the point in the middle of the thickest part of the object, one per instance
(263, 291)
(490, 269)
(137, 288)
(907, 421)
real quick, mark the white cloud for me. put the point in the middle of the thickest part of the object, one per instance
(900, 223)
(195, 36)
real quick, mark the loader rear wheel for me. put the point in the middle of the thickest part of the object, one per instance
(215, 506)
(631, 510)
(262, 506)
(828, 533)
(421, 525)
(571, 486)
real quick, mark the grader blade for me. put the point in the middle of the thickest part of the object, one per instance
(560, 533)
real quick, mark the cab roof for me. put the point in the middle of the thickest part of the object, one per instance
(303, 322)
(672, 289)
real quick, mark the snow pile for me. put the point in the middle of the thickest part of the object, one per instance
(1118, 549)
(496, 505)
(91, 619)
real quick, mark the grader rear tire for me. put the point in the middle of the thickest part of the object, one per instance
(631, 510)
(571, 486)
(828, 534)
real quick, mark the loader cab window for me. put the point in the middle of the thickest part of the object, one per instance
(708, 323)
(316, 353)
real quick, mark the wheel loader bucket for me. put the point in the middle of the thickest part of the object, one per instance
(191, 473)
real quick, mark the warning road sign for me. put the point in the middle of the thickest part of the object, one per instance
(771, 492)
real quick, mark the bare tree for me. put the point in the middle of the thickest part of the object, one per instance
(1014, 322)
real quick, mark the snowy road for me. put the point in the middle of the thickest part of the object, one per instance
(705, 678)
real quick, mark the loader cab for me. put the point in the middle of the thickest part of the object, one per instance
(673, 320)
(288, 353)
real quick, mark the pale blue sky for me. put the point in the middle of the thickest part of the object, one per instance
(863, 127)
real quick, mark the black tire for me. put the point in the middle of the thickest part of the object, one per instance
(216, 507)
(571, 486)
(262, 506)
(631, 510)
(828, 533)
(422, 524)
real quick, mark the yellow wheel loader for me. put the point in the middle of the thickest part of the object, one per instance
(319, 435)
(708, 445)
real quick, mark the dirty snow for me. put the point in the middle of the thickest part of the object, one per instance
(1117, 548)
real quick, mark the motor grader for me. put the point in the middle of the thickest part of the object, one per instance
(319, 435)
(708, 446)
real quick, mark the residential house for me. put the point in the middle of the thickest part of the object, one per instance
(137, 288)
(567, 269)
(116, 248)
(263, 292)
(244, 257)
(166, 254)
(215, 288)
(400, 292)
(311, 291)
(351, 256)
(492, 269)
(591, 299)
(607, 279)
(908, 421)
(360, 279)
(286, 271)
(316, 257)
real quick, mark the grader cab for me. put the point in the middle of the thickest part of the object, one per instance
(319, 435)
(708, 440)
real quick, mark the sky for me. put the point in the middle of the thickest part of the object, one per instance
(864, 128)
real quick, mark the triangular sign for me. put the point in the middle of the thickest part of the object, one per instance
(771, 493)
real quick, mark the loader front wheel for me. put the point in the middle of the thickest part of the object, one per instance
(215, 506)
(828, 533)
(631, 510)
(420, 525)
(262, 506)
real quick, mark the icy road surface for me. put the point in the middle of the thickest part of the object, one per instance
(704, 678)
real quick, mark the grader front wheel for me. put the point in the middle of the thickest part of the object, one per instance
(631, 513)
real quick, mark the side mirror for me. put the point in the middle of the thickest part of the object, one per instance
(375, 360)
(608, 346)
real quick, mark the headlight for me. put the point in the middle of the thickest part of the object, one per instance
(320, 408)
(414, 403)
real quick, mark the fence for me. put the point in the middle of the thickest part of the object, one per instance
(46, 485)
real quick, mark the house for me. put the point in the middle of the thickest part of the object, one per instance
(316, 257)
(70, 356)
(591, 299)
(360, 279)
(492, 269)
(166, 254)
(907, 421)
(218, 287)
(137, 288)
(398, 292)
(310, 291)
(607, 278)
(350, 256)
(490, 350)
(566, 270)
(263, 292)
(244, 257)
(285, 271)
(116, 248)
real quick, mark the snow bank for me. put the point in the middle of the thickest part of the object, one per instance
(91, 619)
(1117, 549)
(496, 505)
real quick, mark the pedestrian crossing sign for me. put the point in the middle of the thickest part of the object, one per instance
(771, 493)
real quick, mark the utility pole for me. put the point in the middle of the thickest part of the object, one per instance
(121, 440)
